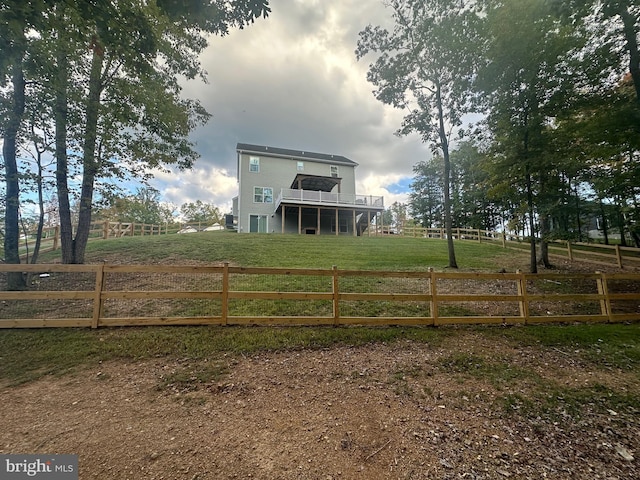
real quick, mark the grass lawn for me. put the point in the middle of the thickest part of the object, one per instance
(294, 251)
(29, 354)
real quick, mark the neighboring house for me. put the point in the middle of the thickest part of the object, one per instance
(293, 191)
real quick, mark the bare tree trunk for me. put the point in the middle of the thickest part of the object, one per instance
(448, 222)
(544, 244)
(62, 167)
(533, 267)
(15, 280)
(89, 162)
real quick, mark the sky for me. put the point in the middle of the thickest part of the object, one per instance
(293, 81)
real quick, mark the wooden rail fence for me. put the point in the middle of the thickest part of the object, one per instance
(595, 253)
(135, 295)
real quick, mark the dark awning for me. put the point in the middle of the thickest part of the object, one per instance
(315, 182)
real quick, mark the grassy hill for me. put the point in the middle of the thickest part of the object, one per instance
(293, 251)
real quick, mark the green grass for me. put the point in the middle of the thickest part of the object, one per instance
(30, 354)
(296, 251)
(616, 346)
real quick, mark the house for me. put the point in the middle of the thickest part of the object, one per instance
(293, 191)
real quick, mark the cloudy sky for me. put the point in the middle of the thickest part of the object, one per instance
(292, 81)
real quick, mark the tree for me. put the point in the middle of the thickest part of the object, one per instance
(200, 212)
(425, 66)
(425, 199)
(142, 207)
(113, 70)
(17, 18)
(612, 28)
(529, 72)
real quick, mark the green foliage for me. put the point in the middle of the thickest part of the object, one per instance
(143, 207)
(201, 212)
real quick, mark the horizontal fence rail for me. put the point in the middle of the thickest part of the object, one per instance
(596, 253)
(135, 295)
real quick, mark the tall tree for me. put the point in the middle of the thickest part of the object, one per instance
(425, 198)
(144, 206)
(425, 66)
(17, 19)
(201, 212)
(528, 73)
(114, 70)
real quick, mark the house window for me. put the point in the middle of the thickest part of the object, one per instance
(262, 195)
(301, 166)
(254, 164)
(334, 171)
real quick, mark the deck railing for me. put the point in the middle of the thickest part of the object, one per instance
(316, 198)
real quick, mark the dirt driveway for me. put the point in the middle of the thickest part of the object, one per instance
(470, 407)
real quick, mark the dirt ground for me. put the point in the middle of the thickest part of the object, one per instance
(400, 411)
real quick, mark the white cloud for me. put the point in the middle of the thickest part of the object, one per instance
(292, 81)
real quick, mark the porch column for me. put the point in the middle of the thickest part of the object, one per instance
(355, 228)
(299, 220)
(284, 208)
(368, 223)
(337, 222)
(318, 228)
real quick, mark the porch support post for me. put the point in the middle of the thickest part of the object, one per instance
(337, 222)
(368, 223)
(299, 220)
(318, 226)
(355, 229)
(284, 208)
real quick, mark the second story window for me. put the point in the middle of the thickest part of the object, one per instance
(254, 164)
(301, 166)
(334, 171)
(262, 195)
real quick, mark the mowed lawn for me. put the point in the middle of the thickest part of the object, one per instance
(301, 251)
(30, 354)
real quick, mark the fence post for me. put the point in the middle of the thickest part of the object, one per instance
(479, 237)
(522, 293)
(605, 301)
(433, 306)
(105, 229)
(569, 251)
(225, 294)
(336, 296)
(619, 256)
(97, 299)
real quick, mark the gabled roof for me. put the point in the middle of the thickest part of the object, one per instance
(294, 154)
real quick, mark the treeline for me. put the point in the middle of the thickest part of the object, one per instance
(555, 88)
(90, 96)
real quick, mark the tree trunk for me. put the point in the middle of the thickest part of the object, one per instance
(621, 225)
(89, 161)
(544, 244)
(533, 267)
(605, 228)
(62, 167)
(448, 223)
(15, 280)
(631, 37)
(579, 222)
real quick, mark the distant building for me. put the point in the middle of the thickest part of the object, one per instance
(293, 191)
